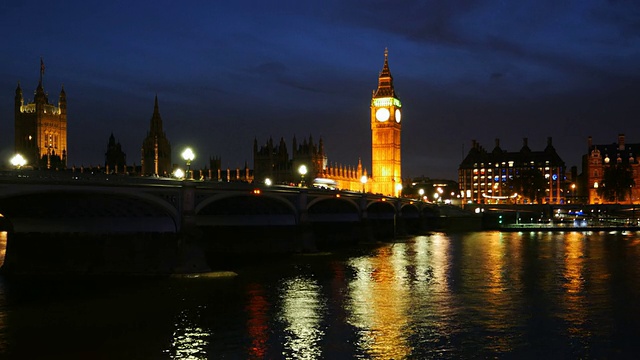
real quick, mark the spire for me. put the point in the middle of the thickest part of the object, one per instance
(41, 71)
(18, 92)
(385, 80)
(156, 120)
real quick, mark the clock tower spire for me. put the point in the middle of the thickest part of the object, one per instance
(386, 113)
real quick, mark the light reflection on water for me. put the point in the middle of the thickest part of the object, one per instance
(474, 295)
(3, 246)
(377, 305)
(302, 311)
(189, 341)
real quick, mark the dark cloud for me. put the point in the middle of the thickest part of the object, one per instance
(231, 71)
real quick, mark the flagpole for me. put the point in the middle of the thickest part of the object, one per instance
(41, 68)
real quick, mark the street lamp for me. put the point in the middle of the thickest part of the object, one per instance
(179, 174)
(421, 193)
(398, 189)
(364, 180)
(18, 161)
(267, 182)
(303, 171)
(188, 156)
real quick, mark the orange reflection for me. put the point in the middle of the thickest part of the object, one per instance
(258, 322)
(378, 297)
(496, 275)
(3, 246)
(574, 281)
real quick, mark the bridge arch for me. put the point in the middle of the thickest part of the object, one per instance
(92, 211)
(241, 209)
(333, 209)
(381, 208)
(239, 203)
(410, 211)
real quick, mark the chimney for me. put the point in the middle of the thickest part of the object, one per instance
(620, 141)
(549, 141)
(525, 142)
(497, 143)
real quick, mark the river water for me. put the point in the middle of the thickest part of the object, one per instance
(446, 296)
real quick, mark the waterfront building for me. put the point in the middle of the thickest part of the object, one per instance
(599, 157)
(115, 160)
(488, 177)
(386, 115)
(273, 162)
(40, 134)
(156, 149)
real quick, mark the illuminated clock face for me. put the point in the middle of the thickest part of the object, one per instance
(398, 115)
(382, 114)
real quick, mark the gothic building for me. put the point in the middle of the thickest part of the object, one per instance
(156, 149)
(115, 160)
(484, 176)
(41, 128)
(274, 162)
(601, 156)
(386, 115)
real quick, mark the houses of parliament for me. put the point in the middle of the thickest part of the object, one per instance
(41, 138)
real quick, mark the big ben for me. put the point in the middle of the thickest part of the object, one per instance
(386, 126)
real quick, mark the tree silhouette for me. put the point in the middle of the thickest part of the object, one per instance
(529, 183)
(617, 181)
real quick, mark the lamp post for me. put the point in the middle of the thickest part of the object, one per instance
(188, 156)
(179, 174)
(398, 189)
(303, 171)
(364, 180)
(421, 193)
(18, 161)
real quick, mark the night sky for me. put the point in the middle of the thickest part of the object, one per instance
(227, 72)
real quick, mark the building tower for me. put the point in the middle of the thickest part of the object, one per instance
(41, 128)
(156, 149)
(115, 160)
(386, 114)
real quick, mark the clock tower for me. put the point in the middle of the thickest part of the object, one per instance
(386, 114)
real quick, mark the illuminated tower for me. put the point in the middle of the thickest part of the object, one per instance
(156, 149)
(386, 114)
(41, 128)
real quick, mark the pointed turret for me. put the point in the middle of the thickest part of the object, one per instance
(385, 80)
(294, 145)
(62, 101)
(19, 100)
(156, 119)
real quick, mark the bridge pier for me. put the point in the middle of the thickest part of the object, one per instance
(190, 256)
(304, 227)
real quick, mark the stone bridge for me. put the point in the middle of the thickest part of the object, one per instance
(49, 208)
(65, 202)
